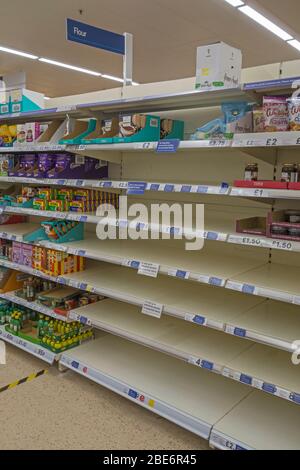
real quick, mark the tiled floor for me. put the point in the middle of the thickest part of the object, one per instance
(66, 411)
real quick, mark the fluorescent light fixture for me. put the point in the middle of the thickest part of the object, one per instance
(22, 54)
(71, 67)
(263, 21)
(295, 44)
(135, 84)
(112, 77)
(47, 98)
(235, 3)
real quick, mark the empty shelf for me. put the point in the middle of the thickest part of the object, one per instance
(182, 299)
(194, 399)
(259, 422)
(200, 346)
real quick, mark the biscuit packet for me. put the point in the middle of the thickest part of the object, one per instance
(294, 114)
(276, 114)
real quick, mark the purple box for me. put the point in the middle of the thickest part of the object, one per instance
(26, 255)
(77, 167)
(27, 166)
(46, 162)
(17, 252)
(95, 169)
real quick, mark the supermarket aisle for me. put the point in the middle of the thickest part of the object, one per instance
(49, 411)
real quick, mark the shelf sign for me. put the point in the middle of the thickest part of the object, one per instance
(136, 187)
(148, 269)
(152, 308)
(95, 37)
(168, 146)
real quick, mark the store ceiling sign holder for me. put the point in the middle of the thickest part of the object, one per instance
(107, 40)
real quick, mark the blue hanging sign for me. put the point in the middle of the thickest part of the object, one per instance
(95, 37)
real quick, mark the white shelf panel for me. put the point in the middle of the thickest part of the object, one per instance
(266, 369)
(267, 139)
(205, 266)
(37, 351)
(258, 422)
(87, 217)
(270, 323)
(17, 232)
(193, 399)
(265, 193)
(200, 304)
(204, 348)
(263, 242)
(33, 148)
(275, 281)
(12, 297)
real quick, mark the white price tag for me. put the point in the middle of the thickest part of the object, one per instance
(66, 108)
(278, 244)
(234, 286)
(245, 240)
(148, 269)
(153, 309)
(218, 143)
(144, 145)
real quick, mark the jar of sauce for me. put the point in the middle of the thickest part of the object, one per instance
(290, 173)
(251, 172)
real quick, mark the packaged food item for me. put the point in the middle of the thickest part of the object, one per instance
(6, 138)
(251, 172)
(58, 205)
(276, 114)
(6, 164)
(45, 163)
(258, 120)
(290, 173)
(234, 111)
(33, 131)
(212, 130)
(21, 134)
(28, 192)
(294, 114)
(40, 204)
(27, 166)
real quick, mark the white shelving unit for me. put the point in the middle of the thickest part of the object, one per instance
(34, 349)
(252, 399)
(259, 422)
(12, 297)
(194, 399)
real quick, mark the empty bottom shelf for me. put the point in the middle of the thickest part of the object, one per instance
(259, 422)
(192, 398)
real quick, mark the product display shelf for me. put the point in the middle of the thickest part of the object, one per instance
(88, 217)
(258, 422)
(267, 369)
(34, 148)
(163, 102)
(202, 305)
(34, 349)
(265, 193)
(276, 281)
(13, 297)
(208, 349)
(17, 232)
(263, 242)
(194, 399)
(272, 323)
(151, 258)
(267, 139)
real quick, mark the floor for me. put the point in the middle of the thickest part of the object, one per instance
(67, 411)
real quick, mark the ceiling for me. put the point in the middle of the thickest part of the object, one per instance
(166, 34)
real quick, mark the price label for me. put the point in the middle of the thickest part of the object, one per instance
(217, 143)
(148, 269)
(144, 145)
(272, 142)
(131, 263)
(152, 309)
(278, 244)
(66, 108)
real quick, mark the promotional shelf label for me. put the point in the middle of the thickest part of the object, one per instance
(136, 187)
(153, 309)
(148, 269)
(168, 146)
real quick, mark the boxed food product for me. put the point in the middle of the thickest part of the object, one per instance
(258, 120)
(294, 114)
(218, 65)
(284, 225)
(46, 162)
(252, 225)
(7, 135)
(33, 131)
(276, 115)
(27, 167)
(21, 134)
(6, 164)
(138, 128)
